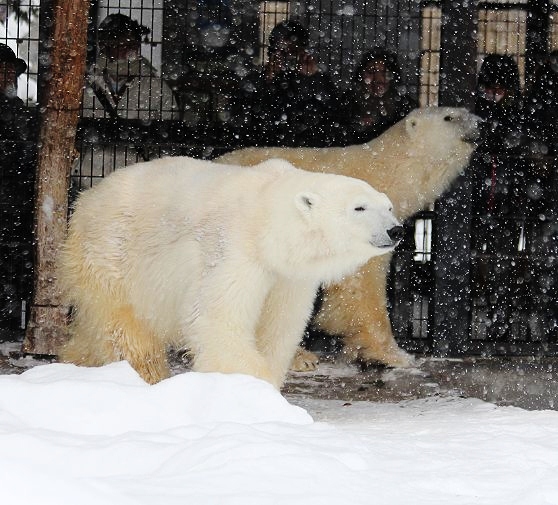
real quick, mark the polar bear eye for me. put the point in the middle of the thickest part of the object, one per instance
(448, 118)
(360, 208)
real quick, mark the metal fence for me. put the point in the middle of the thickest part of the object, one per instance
(504, 282)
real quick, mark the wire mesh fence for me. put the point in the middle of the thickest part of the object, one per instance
(168, 77)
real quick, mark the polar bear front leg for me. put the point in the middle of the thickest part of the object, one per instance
(304, 361)
(225, 344)
(356, 308)
(286, 312)
(223, 335)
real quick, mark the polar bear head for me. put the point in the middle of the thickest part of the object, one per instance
(416, 160)
(447, 128)
(324, 226)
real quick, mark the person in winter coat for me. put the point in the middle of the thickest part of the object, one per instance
(121, 86)
(498, 101)
(18, 152)
(15, 117)
(499, 198)
(122, 83)
(377, 98)
(289, 102)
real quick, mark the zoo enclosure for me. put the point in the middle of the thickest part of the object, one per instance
(202, 47)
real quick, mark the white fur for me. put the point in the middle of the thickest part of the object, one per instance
(218, 259)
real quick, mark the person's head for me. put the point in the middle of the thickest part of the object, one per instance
(11, 67)
(120, 37)
(498, 78)
(287, 40)
(377, 71)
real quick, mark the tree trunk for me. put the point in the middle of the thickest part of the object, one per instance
(47, 324)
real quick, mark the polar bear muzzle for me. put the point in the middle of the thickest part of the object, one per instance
(389, 239)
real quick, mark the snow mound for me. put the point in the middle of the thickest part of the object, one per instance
(92, 436)
(113, 399)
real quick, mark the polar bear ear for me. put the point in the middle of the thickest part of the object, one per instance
(411, 126)
(306, 200)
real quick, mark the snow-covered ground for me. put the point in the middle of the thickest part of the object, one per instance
(83, 436)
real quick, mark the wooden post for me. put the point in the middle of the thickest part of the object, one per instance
(60, 113)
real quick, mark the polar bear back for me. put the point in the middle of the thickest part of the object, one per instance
(173, 208)
(413, 162)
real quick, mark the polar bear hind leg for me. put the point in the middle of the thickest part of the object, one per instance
(117, 336)
(137, 344)
(85, 347)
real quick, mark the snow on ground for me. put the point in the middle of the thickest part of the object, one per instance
(72, 435)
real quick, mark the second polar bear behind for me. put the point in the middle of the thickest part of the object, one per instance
(413, 163)
(222, 260)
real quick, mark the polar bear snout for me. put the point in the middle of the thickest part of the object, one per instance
(396, 233)
(389, 238)
(387, 233)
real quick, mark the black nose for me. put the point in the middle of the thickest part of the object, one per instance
(396, 233)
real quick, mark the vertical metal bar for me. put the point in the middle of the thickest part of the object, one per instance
(92, 32)
(453, 218)
(458, 53)
(45, 36)
(537, 33)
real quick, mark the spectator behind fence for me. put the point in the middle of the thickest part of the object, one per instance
(289, 102)
(17, 149)
(541, 107)
(15, 117)
(511, 195)
(498, 101)
(121, 85)
(377, 98)
(500, 170)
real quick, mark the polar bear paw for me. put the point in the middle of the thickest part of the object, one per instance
(392, 358)
(304, 361)
(400, 359)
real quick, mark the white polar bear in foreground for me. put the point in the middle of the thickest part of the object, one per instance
(413, 162)
(222, 260)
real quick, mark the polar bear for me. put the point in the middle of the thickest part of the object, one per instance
(221, 260)
(413, 162)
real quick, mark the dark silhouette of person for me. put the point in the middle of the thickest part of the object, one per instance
(498, 101)
(18, 152)
(289, 101)
(500, 200)
(377, 98)
(15, 120)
